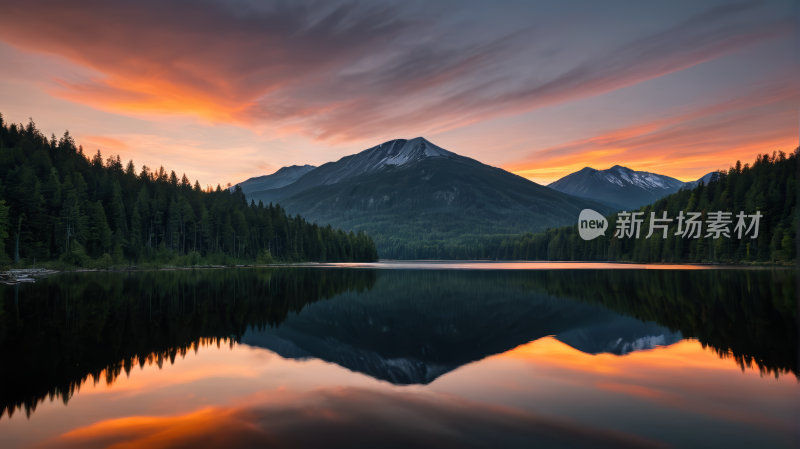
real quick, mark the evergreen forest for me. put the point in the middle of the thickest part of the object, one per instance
(768, 186)
(60, 205)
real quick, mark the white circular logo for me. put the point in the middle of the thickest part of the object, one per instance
(591, 224)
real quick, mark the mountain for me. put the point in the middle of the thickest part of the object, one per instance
(282, 177)
(417, 351)
(407, 191)
(620, 336)
(395, 154)
(618, 186)
(411, 328)
(705, 179)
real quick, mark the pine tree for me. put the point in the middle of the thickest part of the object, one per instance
(100, 237)
(136, 233)
(118, 216)
(57, 201)
(5, 224)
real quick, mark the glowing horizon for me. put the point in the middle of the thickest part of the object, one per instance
(233, 91)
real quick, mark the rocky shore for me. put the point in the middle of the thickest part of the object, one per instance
(12, 277)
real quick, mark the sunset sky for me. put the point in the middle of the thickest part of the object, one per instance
(224, 91)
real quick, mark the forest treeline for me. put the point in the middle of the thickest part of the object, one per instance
(768, 186)
(57, 203)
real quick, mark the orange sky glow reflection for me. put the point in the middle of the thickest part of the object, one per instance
(536, 388)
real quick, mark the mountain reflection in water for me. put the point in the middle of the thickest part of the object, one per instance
(400, 326)
(414, 326)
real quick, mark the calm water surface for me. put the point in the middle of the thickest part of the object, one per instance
(410, 354)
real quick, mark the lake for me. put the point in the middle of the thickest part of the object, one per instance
(402, 354)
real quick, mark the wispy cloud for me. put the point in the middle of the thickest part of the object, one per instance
(341, 417)
(338, 72)
(685, 144)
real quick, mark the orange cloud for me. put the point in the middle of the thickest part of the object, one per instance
(345, 417)
(685, 145)
(682, 376)
(339, 72)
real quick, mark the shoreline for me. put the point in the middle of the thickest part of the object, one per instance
(16, 276)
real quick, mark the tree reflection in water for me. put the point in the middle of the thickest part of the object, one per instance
(402, 326)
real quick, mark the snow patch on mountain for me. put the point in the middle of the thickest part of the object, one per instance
(400, 152)
(609, 177)
(649, 342)
(392, 153)
(618, 185)
(620, 175)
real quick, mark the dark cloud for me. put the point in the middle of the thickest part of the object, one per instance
(700, 38)
(343, 71)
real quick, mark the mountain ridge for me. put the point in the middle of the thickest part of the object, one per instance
(411, 190)
(395, 152)
(708, 177)
(620, 185)
(282, 177)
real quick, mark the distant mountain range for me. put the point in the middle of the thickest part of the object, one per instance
(415, 190)
(280, 178)
(621, 187)
(404, 191)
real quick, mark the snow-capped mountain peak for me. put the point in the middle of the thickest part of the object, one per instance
(623, 175)
(392, 153)
(618, 185)
(400, 151)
